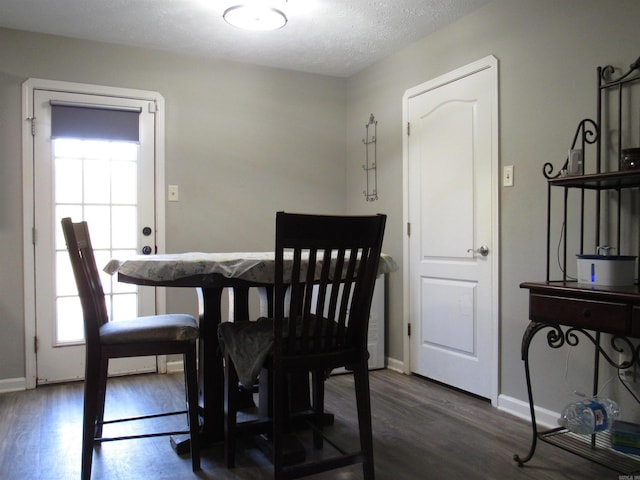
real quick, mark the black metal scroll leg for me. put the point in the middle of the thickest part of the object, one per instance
(532, 329)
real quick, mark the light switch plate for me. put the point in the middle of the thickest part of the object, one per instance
(173, 192)
(507, 176)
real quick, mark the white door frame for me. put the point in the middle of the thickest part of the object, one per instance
(28, 207)
(490, 62)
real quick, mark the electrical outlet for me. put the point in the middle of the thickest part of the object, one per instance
(507, 176)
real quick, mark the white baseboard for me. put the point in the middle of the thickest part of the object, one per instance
(395, 365)
(544, 417)
(392, 364)
(13, 385)
(176, 366)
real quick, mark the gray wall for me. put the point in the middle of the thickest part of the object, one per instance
(548, 51)
(243, 142)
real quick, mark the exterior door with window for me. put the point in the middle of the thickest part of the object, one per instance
(94, 160)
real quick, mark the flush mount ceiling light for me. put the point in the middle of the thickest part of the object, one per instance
(255, 17)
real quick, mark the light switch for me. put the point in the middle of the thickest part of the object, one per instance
(174, 194)
(507, 176)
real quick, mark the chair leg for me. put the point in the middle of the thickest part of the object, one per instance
(90, 412)
(230, 411)
(363, 401)
(101, 396)
(318, 406)
(191, 378)
(278, 405)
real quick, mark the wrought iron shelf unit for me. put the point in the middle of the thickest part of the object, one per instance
(569, 311)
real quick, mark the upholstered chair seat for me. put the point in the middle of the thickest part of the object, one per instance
(157, 328)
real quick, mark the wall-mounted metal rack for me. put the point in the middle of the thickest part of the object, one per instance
(370, 165)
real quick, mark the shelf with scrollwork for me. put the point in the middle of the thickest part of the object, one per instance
(570, 312)
(600, 181)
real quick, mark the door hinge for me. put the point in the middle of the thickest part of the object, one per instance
(408, 128)
(408, 329)
(33, 125)
(408, 229)
(35, 344)
(33, 235)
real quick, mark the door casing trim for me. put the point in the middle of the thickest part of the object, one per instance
(28, 206)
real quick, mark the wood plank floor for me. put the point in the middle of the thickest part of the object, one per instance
(422, 430)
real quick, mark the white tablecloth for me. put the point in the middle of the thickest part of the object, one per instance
(251, 266)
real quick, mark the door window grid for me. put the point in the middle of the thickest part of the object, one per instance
(95, 180)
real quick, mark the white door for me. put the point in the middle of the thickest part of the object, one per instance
(107, 179)
(452, 165)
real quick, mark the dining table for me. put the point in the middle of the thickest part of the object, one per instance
(211, 274)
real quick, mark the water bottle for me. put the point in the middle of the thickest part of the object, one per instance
(589, 416)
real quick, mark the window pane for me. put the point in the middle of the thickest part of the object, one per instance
(124, 307)
(99, 220)
(125, 227)
(97, 181)
(69, 320)
(96, 149)
(65, 282)
(124, 183)
(124, 150)
(68, 180)
(66, 147)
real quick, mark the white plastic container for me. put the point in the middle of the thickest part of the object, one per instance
(610, 270)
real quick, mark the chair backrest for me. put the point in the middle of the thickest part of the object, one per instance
(87, 277)
(329, 287)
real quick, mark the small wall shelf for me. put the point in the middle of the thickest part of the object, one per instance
(370, 165)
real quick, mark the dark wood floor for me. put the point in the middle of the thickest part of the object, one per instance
(421, 431)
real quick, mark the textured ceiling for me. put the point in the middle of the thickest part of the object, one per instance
(330, 37)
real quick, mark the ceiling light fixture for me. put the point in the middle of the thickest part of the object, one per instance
(254, 16)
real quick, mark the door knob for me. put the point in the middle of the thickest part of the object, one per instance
(482, 250)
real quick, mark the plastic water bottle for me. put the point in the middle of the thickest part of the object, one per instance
(589, 416)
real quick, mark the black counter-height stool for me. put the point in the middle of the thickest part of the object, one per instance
(138, 337)
(325, 272)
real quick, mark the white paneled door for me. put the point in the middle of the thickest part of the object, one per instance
(451, 162)
(93, 160)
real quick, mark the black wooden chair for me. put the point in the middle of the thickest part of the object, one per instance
(321, 317)
(143, 336)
